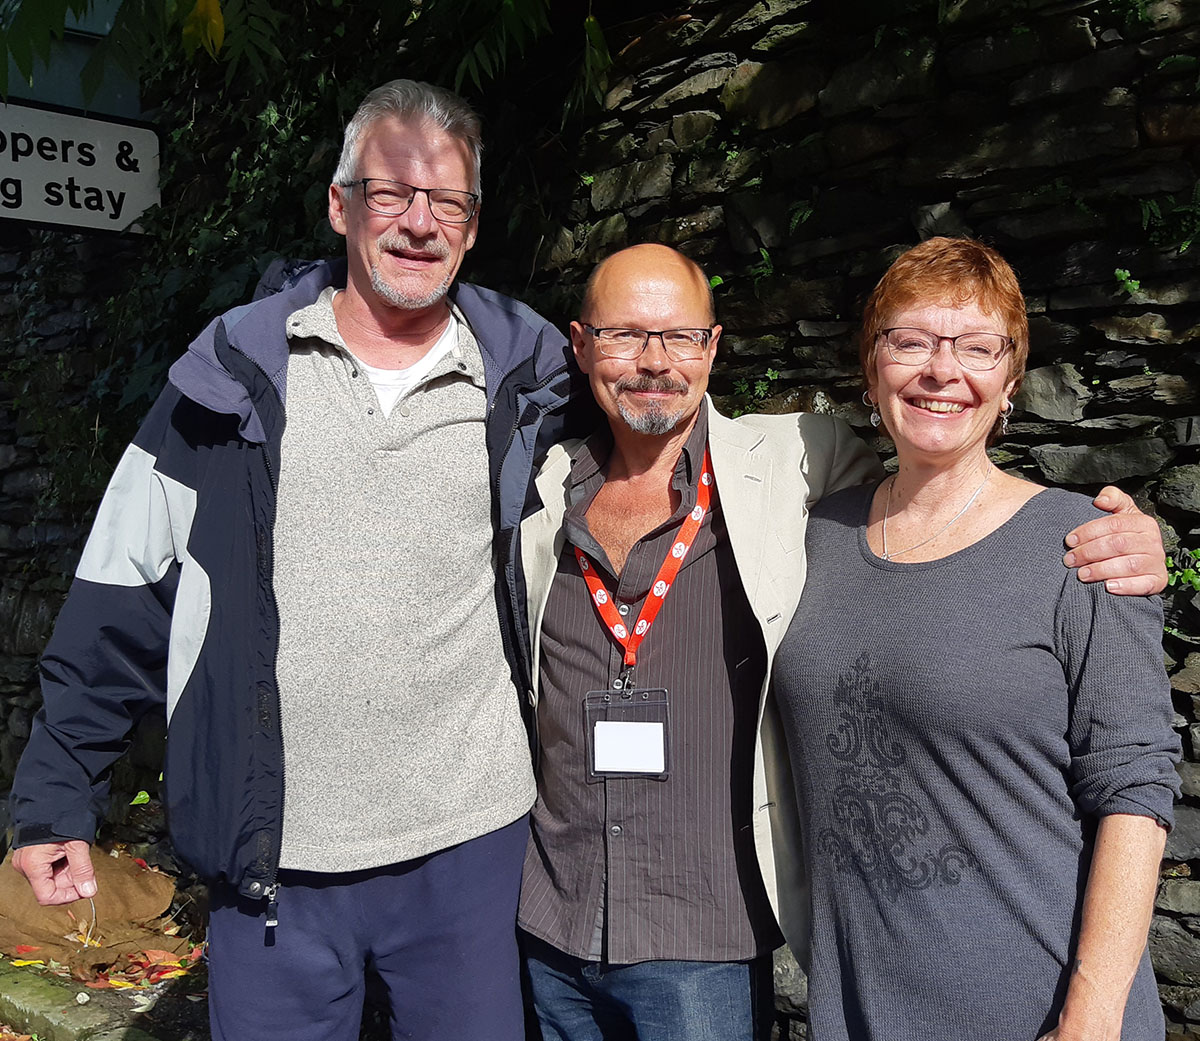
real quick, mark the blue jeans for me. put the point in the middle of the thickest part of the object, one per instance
(650, 1001)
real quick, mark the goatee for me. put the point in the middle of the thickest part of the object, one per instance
(394, 295)
(656, 417)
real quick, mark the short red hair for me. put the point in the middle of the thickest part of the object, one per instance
(954, 272)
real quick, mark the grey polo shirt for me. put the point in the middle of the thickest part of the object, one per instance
(636, 869)
(402, 732)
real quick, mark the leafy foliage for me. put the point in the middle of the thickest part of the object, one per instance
(204, 27)
(1133, 12)
(510, 29)
(747, 396)
(1126, 281)
(1183, 570)
(762, 268)
(254, 27)
(27, 29)
(1174, 222)
(588, 86)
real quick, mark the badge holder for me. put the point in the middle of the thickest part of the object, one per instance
(627, 734)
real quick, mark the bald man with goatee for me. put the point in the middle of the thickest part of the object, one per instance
(662, 571)
(657, 595)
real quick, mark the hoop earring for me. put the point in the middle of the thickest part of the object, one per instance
(1004, 414)
(876, 418)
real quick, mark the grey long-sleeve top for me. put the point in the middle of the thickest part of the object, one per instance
(956, 728)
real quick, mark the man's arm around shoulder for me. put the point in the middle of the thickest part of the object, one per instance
(836, 457)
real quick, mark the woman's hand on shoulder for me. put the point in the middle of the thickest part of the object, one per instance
(1123, 550)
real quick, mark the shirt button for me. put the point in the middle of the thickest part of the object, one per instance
(615, 830)
(624, 609)
(405, 411)
(370, 412)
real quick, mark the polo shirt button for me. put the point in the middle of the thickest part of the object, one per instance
(405, 411)
(370, 412)
(615, 830)
(624, 609)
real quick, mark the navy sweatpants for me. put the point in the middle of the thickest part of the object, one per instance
(440, 931)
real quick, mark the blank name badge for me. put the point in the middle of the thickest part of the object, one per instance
(627, 734)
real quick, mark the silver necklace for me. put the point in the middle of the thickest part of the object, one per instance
(887, 508)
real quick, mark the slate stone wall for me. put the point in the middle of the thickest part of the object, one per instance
(57, 449)
(35, 536)
(795, 148)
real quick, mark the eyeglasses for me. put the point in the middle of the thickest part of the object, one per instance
(393, 198)
(679, 344)
(976, 351)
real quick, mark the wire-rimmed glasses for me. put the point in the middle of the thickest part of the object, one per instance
(977, 351)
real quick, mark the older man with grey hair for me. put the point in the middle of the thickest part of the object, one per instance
(308, 557)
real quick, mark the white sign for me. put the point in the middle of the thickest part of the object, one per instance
(60, 168)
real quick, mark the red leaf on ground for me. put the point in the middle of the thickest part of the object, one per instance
(24, 948)
(141, 863)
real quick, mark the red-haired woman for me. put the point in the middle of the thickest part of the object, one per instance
(981, 744)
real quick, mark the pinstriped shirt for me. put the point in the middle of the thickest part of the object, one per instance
(638, 869)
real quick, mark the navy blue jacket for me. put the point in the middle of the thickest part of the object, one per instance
(173, 600)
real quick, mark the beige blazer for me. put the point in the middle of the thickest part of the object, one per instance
(769, 470)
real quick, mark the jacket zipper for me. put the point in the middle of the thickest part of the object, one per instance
(271, 889)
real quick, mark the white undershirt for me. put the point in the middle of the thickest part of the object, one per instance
(393, 384)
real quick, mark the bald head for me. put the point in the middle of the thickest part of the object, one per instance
(643, 274)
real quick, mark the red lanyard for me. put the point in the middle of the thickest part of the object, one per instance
(662, 582)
